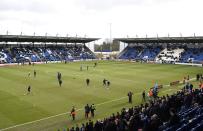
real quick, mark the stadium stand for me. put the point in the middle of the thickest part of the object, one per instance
(40, 53)
(192, 55)
(43, 48)
(182, 111)
(163, 49)
(130, 52)
(140, 52)
(163, 55)
(169, 55)
(150, 53)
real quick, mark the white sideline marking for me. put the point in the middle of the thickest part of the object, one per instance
(26, 123)
(181, 82)
(59, 115)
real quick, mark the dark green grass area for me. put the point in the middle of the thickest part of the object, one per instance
(48, 99)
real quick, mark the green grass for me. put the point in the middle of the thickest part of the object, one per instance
(49, 99)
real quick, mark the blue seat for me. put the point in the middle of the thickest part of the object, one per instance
(192, 124)
(198, 127)
(182, 128)
(173, 128)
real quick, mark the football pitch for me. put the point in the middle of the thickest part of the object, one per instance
(47, 107)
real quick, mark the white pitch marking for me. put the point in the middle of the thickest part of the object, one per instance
(57, 115)
(68, 112)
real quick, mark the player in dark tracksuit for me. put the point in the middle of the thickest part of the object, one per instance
(95, 64)
(73, 113)
(35, 73)
(59, 76)
(87, 81)
(87, 111)
(92, 109)
(104, 82)
(108, 83)
(130, 94)
(60, 82)
(28, 90)
(59, 79)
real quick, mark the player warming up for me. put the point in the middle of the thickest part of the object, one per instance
(87, 111)
(104, 82)
(108, 83)
(73, 113)
(59, 77)
(95, 64)
(92, 109)
(87, 81)
(130, 94)
(28, 90)
(35, 73)
(60, 82)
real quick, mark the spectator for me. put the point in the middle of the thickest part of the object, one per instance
(77, 128)
(174, 119)
(72, 129)
(149, 117)
(83, 127)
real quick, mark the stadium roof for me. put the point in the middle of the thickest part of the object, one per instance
(47, 39)
(162, 40)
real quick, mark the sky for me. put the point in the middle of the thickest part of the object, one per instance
(95, 18)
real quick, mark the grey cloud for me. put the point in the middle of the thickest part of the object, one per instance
(105, 4)
(108, 4)
(25, 5)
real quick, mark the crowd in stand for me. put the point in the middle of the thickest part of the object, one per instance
(192, 55)
(39, 53)
(138, 52)
(182, 110)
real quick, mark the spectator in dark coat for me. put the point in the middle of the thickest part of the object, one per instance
(174, 119)
(98, 126)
